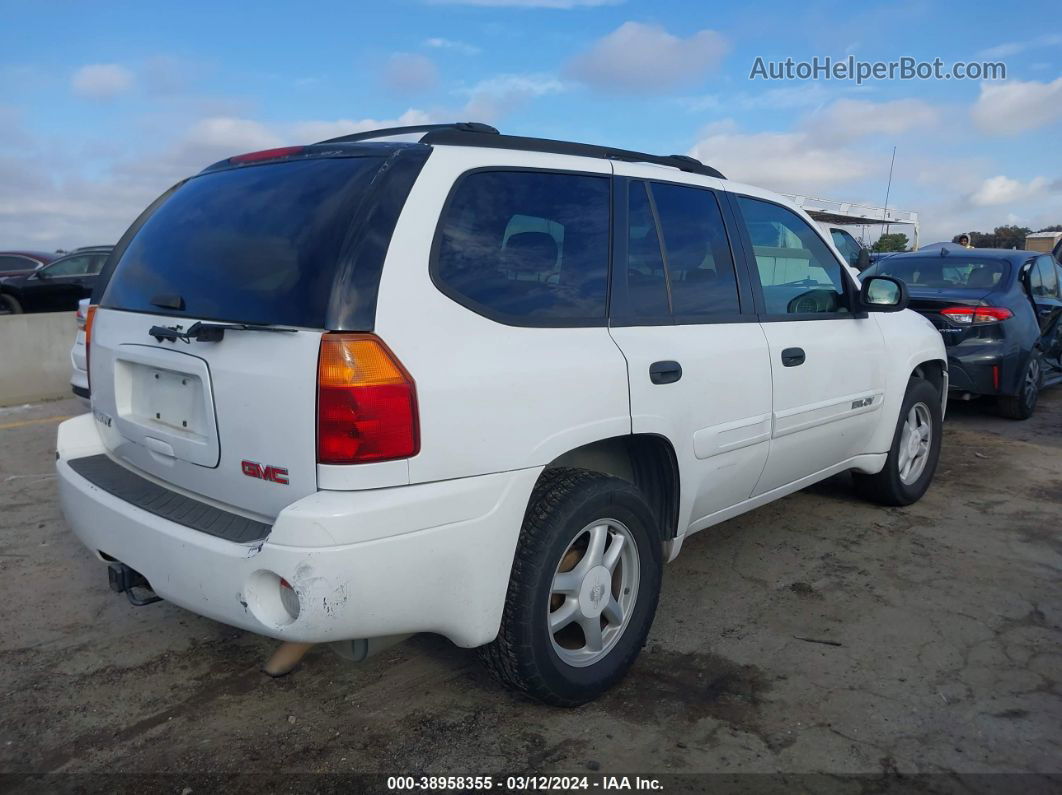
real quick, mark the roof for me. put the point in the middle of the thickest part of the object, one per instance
(483, 135)
(43, 256)
(1047, 235)
(952, 249)
(831, 211)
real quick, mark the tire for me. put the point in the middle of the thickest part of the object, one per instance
(566, 511)
(921, 403)
(9, 305)
(1022, 405)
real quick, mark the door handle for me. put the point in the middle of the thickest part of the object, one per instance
(792, 357)
(665, 372)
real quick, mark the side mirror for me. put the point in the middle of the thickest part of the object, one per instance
(41, 273)
(863, 260)
(883, 294)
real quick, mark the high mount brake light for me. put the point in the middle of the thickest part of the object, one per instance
(267, 154)
(976, 315)
(366, 402)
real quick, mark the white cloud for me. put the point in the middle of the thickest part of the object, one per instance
(848, 119)
(1004, 190)
(450, 44)
(562, 4)
(310, 131)
(496, 96)
(794, 162)
(102, 81)
(646, 58)
(410, 73)
(1015, 106)
(230, 134)
(1014, 47)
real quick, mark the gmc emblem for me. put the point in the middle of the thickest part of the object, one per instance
(270, 473)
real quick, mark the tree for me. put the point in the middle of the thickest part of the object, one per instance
(1000, 237)
(894, 241)
(1055, 228)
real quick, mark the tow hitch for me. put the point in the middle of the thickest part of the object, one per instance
(124, 579)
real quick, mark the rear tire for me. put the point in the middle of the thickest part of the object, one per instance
(9, 305)
(600, 532)
(915, 450)
(1022, 405)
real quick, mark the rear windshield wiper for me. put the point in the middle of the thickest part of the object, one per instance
(209, 332)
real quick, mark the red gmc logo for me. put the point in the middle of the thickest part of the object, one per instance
(273, 474)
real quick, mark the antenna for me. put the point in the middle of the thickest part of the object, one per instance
(888, 188)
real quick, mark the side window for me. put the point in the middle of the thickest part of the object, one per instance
(74, 266)
(699, 265)
(96, 264)
(846, 244)
(798, 273)
(526, 247)
(10, 263)
(1036, 280)
(646, 280)
(1048, 276)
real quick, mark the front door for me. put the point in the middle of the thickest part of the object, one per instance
(827, 362)
(697, 359)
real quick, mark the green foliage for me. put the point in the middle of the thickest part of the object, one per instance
(896, 241)
(1000, 237)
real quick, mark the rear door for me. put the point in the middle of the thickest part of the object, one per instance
(232, 420)
(57, 287)
(683, 317)
(827, 362)
(1048, 302)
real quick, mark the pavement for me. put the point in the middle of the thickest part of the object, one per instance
(819, 634)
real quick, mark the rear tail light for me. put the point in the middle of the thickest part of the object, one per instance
(90, 316)
(366, 402)
(976, 315)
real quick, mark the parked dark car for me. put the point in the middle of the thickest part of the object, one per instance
(13, 263)
(999, 312)
(55, 287)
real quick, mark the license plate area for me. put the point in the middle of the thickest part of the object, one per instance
(164, 402)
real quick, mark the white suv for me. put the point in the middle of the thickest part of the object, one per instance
(477, 385)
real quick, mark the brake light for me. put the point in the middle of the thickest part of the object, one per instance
(90, 315)
(976, 315)
(366, 402)
(267, 154)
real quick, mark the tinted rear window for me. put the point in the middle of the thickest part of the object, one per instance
(951, 272)
(258, 244)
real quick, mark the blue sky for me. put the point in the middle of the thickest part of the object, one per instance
(103, 105)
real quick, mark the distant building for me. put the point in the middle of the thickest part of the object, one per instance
(1042, 241)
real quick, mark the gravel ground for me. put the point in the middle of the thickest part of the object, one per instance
(815, 635)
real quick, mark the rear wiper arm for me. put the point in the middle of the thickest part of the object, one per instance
(209, 332)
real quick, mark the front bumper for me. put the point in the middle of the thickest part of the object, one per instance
(433, 557)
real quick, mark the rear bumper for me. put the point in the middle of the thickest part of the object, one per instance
(432, 557)
(984, 370)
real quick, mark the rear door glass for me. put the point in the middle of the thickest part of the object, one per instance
(699, 265)
(257, 244)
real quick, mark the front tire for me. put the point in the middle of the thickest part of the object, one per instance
(915, 450)
(1022, 405)
(583, 591)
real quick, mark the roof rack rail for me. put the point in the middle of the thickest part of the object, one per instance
(459, 135)
(464, 126)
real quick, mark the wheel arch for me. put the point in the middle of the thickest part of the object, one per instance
(646, 460)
